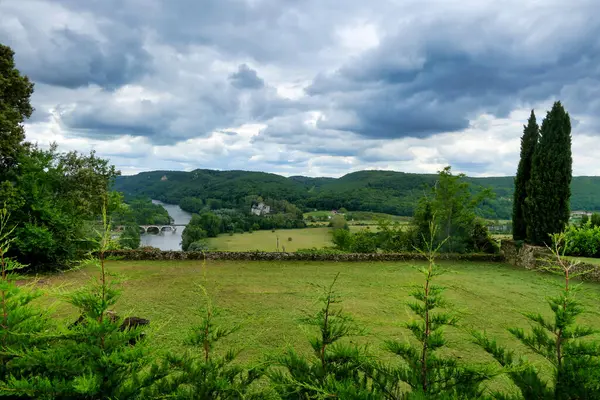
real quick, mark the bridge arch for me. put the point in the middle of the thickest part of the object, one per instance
(153, 229)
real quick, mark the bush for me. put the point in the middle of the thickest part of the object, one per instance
(342, 239)
(191, 234)
(583, 241)
(199, 245)
(130, 238)
(364, 242)
(290, 239)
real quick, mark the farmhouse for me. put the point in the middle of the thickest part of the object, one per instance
(260, 209)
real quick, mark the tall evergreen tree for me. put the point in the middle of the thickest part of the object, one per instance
(549, 189)
(529, 140)
(15, 91)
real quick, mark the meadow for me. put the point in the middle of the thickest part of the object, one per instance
(268, 300)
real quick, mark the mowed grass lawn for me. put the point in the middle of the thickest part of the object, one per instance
(266, 240)
(268, 300)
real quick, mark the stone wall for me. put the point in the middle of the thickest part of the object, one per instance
(280, 256)
(539, 258)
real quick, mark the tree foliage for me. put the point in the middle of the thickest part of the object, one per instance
(423, 369)
(549, 190)
(560, 341)
(335, 368)
(529, 140)
(15, 108)
(368, 191)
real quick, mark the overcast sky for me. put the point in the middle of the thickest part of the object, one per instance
(311, 87)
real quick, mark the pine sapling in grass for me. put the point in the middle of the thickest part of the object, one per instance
(566, 346)
(423, 370)
(103, 357)
(25, 328)
(335, 369)
(200, 373)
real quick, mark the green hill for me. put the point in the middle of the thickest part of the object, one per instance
(380, 191)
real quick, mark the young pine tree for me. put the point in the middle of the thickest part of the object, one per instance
(564, 344)
(24, 327)
(203, 374)
(549, 190)
(531, 133)
(335, 369)
(429, 375)
(100, 357)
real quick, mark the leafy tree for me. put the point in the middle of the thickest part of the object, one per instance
(424, 370)
(565, 345)
(595, 219)
(364, 241)
(342, 239)
(15, 108)
(338, 222)
(199, 245)
(130, 237)
(584, 220)
(190, 235)
(451, 205)
(334, 370)
(51, 207)
(548, 191)
(529, 140)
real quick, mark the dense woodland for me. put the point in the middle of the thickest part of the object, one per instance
(380, 191)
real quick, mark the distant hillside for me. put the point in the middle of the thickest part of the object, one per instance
(380, 191)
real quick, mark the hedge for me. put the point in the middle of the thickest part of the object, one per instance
(301, 256)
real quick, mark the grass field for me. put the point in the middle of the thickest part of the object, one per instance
(268, 299)
(267, 240)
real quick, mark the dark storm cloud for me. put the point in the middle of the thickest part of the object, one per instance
(379, 97)
(163, 69)
(246, 78)
(74, 60)
(63, 57)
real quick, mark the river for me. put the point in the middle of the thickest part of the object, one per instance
(168, 240)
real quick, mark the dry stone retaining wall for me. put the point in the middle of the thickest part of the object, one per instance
(537, 258)
(281, 256)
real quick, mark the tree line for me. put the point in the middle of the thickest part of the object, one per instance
(372, 191)
(450, 205)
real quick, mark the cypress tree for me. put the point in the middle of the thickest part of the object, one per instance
(549, 189)
(529, 140)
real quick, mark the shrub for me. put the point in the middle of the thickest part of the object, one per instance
(199, 245)
(191, 234)
(342, 239)
(583, 241)
(290, 239)
(364, 242)
(130, 237)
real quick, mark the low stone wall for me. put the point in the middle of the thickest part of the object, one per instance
(539, 258)
(274, 256)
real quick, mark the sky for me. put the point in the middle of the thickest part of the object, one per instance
(307, 87)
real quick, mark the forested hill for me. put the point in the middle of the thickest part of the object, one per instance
(381, 191)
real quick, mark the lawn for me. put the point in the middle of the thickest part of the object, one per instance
(268, 299)
(267, 240)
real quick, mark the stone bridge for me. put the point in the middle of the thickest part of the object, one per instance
(156, 228)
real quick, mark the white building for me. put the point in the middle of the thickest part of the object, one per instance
(260, 209)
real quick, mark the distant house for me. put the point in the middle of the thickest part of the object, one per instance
(579, 214)
(260, 209)
(164, 178)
